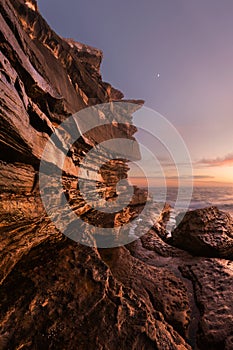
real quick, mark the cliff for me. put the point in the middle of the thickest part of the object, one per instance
(58, 294)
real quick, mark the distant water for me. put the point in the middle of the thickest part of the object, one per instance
(221, 197)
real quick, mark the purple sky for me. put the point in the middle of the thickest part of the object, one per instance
(189, 43)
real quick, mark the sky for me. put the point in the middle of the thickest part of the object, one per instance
(177, 55)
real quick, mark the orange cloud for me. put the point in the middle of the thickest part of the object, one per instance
(219, 161)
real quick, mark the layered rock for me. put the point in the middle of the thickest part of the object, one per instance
(42, 76)
(63, 294)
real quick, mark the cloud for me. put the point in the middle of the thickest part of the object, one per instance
(196, 177)
(219, 161)
(200, 177)
(175, 177)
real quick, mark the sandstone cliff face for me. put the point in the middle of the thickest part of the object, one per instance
(57, 294)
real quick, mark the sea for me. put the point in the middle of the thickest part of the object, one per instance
(202, 197)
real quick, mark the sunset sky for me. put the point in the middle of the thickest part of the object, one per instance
(177, 55)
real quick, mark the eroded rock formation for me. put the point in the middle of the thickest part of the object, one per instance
(207, 232)
(58, 294)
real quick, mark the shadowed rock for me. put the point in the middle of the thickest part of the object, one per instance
(207, 232)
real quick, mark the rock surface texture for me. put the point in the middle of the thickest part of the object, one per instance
(153, 293)
(207, 232)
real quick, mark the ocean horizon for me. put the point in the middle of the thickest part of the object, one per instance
(202, 197)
